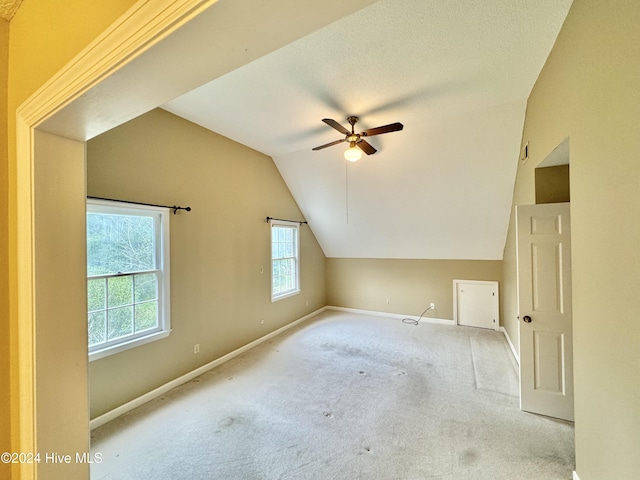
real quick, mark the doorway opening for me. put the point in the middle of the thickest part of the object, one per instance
(552, 183)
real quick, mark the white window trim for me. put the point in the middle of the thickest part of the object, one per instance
(296, 291)
(163, 265)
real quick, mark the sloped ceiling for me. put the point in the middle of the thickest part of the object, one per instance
(456, 74)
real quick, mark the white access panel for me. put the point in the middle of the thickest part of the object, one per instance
(476, 304)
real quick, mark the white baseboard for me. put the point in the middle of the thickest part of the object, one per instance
(442, 321)
(513, 349)
(136, 402)
(575, 475)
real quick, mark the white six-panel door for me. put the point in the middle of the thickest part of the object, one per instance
(544, 300)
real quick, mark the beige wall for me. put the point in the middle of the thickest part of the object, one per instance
(5, 399)
(218, 295)
(588, 90)
(410, 285)
(61, 328)
(552, 184)
(509, 294)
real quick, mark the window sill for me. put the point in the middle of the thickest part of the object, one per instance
(105, 352)
(285, 295)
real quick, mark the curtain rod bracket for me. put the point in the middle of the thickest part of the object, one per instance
(175, 209)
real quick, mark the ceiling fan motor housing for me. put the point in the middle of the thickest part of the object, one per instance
(355, 139)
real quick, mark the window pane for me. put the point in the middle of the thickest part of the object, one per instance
(120, 322)
(292, 268)
(146, 316)
(288, 266)
(284, 275)
(97, 328)
(146, 287)
(119, 243)
(127, 283)
(96, 294)
(284, 258)
(120, 291)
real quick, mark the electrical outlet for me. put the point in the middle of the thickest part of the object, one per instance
(262, 321)
(261, 269)
(388, 300)
(196, 348)
(432, 306)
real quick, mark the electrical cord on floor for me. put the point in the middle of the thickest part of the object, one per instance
(411, 321)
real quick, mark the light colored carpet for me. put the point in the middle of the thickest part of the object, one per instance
(345, 396)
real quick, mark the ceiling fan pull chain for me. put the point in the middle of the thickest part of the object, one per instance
(346, 188)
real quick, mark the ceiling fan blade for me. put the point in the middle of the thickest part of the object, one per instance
(366, 148)
(336, 125)
(328, 144)
(392, 127)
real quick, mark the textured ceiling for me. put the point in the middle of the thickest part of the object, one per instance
(456, 74)
(8, 8)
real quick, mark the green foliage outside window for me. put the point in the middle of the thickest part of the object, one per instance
(122, 286)
(120, 244)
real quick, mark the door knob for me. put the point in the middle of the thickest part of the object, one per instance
(527, 319)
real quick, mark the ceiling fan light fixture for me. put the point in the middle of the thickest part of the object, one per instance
(357, 143)
(353, 153)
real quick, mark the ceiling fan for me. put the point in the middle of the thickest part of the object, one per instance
(357, 143)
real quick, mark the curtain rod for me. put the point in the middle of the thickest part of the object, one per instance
(174, 207)
(283, 220)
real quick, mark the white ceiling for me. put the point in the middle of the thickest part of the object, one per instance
(456, 74)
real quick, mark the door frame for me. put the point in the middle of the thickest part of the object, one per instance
(495, 284)
(140, 28)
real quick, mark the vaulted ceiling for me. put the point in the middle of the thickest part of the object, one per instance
(456, 74)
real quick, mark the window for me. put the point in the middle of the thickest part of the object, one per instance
(285, 260)
(127, 276)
